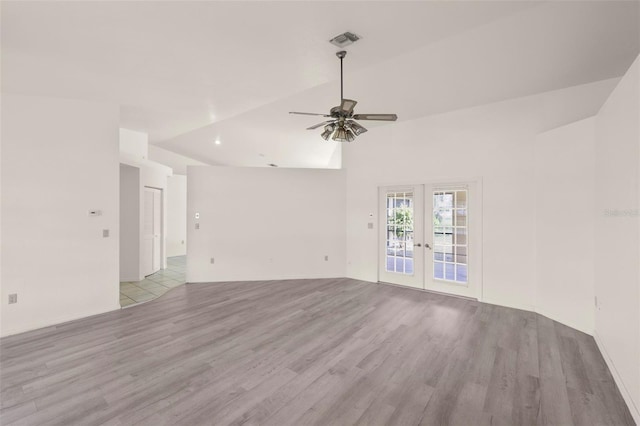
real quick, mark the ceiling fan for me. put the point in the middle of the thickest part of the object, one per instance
(342, 124)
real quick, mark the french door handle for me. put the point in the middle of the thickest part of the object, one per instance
(417, 245)
(426, 245)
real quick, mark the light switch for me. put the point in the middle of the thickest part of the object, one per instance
(105, 233)
(197, 226)
(370, 225)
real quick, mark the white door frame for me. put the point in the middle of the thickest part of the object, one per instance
(475, 209)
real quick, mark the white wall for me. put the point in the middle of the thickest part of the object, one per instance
(134, 144)
(176, 216)
(129, 223)
(564, 241)
(265, 223)
(60, 160)
(177, 162)
(493, 142)
(617, 236)
(451, 148)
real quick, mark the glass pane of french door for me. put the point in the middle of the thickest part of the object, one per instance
(399, 235)
(453, 259)
(450, 229)
(401, 225)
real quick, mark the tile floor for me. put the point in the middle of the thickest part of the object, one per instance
(154, 285)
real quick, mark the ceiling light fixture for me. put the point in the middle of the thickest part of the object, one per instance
(341, 126)
(217, 142)
(356, 128)
(328, 129)
(343, 133)
(340, 135)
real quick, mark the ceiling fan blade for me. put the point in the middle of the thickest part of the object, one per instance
(347, 106)
(320, 125)
(308, 113)
(380, 117)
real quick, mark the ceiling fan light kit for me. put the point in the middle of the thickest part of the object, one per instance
(328, 130)
(357, 129)
(342, 125)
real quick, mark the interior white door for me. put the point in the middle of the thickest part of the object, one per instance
(401, 212)
(157, 228)
(452, 260)
(152, 231)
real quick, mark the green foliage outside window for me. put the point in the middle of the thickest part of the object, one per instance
(402, 220)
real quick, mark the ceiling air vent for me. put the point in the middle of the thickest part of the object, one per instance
(345, 39)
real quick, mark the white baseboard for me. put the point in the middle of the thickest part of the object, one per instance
(635, 412)
(57, 321)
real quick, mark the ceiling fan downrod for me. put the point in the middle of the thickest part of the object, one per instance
(341, 54)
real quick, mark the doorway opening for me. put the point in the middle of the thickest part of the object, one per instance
(146, 270)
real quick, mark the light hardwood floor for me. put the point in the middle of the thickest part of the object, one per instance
(324, 352)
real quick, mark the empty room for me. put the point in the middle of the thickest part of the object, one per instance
(322, 213)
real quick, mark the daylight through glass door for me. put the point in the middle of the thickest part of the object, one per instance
(399, 235)
(450, 230)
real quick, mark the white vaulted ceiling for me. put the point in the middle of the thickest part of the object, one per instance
(192, 72)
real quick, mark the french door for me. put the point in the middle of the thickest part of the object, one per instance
(429, 239)
(401, 257)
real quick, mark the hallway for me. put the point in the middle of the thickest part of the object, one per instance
(155, 285)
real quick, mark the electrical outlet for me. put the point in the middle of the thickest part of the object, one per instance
(213, 260)
(105, 233)
(13, 298)
(370, 225)
(182, 241)
(326, 258)
(596, 300)
(197, 226)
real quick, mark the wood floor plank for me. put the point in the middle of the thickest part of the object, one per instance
(296, 352)
(554, 399)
